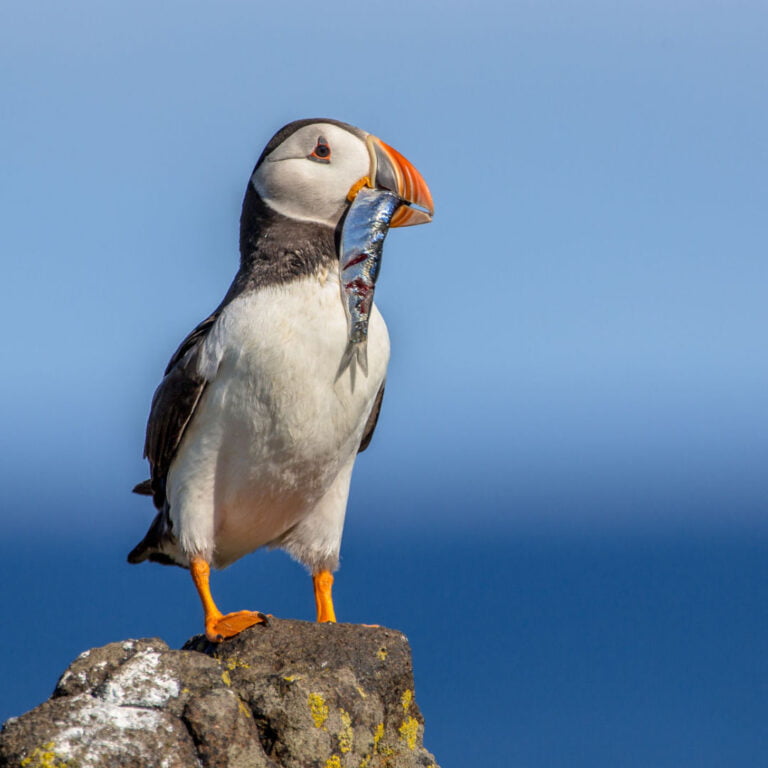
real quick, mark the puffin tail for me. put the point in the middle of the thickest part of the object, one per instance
(158, 544)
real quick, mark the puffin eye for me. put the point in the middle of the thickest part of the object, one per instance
(322, 152)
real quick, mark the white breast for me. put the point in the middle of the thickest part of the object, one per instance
(276, 426)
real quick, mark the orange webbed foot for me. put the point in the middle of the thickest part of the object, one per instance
(218, 628)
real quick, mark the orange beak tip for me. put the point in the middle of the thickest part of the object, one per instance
(396, 172)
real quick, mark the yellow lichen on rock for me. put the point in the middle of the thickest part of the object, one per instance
(346, 734)
(382, 653)
(45, 757)
(334, 761)
(409, 731)
(235, 663)
(318, 709)
(406, 699)
(225, 678)
(243, 708)
(378, 735)
(378, 747)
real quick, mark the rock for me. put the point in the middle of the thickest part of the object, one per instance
(289, 694)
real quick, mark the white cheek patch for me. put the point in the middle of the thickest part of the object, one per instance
(296, 196)
(307, 190)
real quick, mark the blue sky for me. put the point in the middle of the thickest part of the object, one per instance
(585, 314)
(578, 338)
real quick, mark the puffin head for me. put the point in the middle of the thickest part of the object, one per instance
(311, 170)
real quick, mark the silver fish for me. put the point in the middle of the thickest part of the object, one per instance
(362, 241)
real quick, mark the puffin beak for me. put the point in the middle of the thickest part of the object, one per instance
(390, 170)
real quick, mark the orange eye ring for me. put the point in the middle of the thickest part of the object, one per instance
(322, 152)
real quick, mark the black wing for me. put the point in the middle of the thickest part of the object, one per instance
(373, 418)
(173, 406)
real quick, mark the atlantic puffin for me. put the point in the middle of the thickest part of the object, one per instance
(252, 434)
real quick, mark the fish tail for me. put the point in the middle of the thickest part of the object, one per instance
(346, 359)
(355, 354)
(362, 356)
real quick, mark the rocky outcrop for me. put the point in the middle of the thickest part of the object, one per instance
(288, 694)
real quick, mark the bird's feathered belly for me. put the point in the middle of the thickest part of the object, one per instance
(276, 425)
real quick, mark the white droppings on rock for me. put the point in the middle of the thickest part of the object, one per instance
(83, 655)
(128, 645)
(138, 683)
(80, 676)
(97, 730)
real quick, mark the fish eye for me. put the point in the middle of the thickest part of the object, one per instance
(322, 152)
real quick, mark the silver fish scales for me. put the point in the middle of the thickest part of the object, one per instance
(362, 242)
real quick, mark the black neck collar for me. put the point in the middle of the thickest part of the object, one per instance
(276, 249)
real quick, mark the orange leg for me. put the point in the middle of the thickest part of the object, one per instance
(323, 583)
(217, 625)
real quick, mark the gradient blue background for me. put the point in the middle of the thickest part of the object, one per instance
(564, 504)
